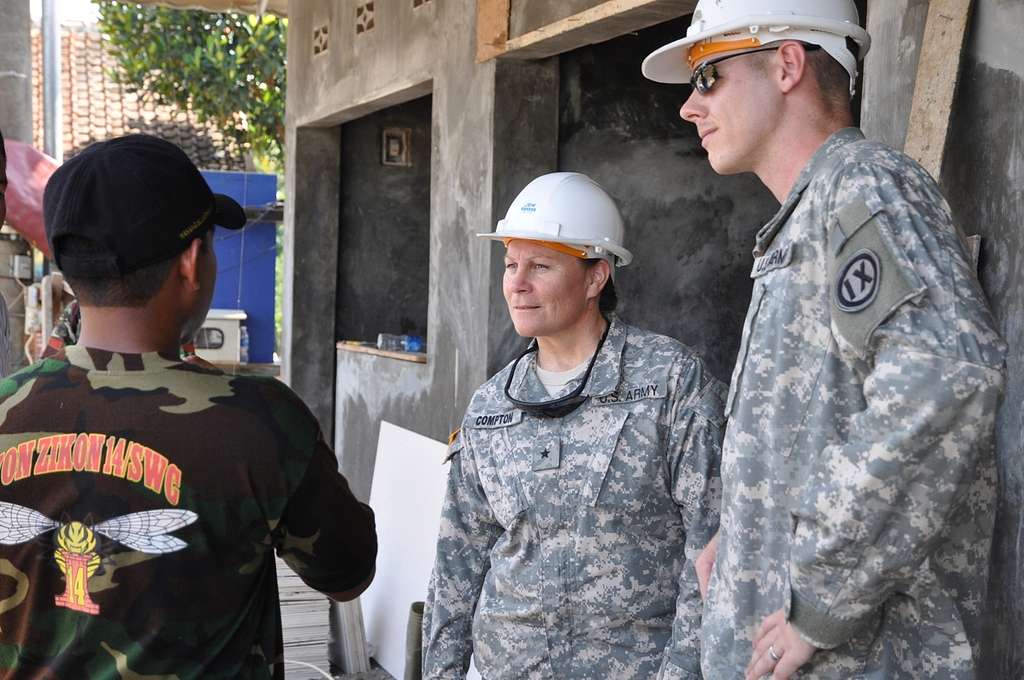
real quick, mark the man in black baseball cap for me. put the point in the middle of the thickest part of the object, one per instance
(143, 499)
(117, 216)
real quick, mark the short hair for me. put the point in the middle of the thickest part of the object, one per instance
(134, 289)
(832, 77)
(609, 300)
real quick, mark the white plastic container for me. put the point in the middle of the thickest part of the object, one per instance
(219, 339)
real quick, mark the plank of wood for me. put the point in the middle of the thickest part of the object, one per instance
(938, 72)
(305, 626)
(415, 357)
(492, 17)
(354, 651)
(233, 368)
(608, 20)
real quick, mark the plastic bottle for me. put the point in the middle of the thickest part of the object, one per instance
(243, 344)
(400, 343)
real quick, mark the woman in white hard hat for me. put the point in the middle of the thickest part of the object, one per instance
(583, 475)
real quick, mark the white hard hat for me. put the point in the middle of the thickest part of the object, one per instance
(570, 209)
(721, 26)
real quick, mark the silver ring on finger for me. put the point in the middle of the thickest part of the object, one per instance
(771, 652)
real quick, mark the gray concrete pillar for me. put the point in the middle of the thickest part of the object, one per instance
(16, 70)
(311, 268)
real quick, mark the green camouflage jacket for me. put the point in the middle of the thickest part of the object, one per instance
(141, 503)
(858, 465)
(564, 542)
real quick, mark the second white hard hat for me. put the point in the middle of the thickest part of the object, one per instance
(721, 26)
(567, 208)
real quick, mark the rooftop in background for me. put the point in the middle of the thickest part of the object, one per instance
(96, 108)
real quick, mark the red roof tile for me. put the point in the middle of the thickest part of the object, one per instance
(97, 108)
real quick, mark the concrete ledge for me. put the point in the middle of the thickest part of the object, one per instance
(415, 357)
(330, 114)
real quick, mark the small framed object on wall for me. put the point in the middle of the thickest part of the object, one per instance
(395, 147)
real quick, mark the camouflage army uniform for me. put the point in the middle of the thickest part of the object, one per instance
(858, 465)
(563, 542)
(141, 503)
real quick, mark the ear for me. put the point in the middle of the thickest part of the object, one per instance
(791, 65)
(188, 264)
(597, 276)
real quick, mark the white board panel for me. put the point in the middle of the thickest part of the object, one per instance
(406, 496)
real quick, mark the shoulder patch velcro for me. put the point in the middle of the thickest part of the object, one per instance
(868, 281)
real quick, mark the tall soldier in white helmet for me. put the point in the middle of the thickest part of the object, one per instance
(858, 465)
(584, 475)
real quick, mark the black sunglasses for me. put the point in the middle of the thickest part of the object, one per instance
(706, 75)
(556, 408)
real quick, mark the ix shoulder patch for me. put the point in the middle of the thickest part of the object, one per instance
(868, 280)
(858, 281)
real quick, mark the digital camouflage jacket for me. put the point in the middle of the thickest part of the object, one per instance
(858, 465)
(566, 543)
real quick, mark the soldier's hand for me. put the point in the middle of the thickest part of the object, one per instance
(779, 651)
(704, 564)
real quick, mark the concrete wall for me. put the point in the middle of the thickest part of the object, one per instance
(16, 70)
(313, 159)
(525, 146)
(529, 15)
(414, 51)
(384, 231)
(691, 232)
(983, 177)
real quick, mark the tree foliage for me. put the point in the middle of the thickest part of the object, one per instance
(229, 68)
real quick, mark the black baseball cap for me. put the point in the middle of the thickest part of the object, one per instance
(138, 198)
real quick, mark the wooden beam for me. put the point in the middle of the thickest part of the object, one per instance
(938, 72)
(414, 357)
(608, 20)
(492, 17)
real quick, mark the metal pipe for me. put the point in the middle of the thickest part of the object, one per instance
(52, 115)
